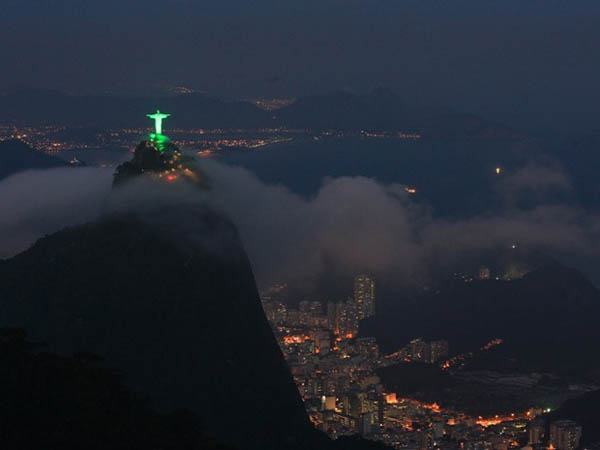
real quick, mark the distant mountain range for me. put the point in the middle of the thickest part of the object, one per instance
(379, 110)
(16, 156)
(383, 110)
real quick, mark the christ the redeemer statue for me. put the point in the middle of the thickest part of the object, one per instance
(158, 118)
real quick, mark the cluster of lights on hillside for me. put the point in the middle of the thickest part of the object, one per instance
(459, 359)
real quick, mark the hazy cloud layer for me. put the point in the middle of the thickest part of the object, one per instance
(354, 223)
(535, 183)
(359, 224)
(39, 202)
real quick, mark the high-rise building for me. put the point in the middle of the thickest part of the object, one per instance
(333, 311)
(565, 434)
(328, 403)
(439, 350)
(438, 429)
(276, 312)
(321, 339)
(304, 313)
(364, 295)
(536, 432)
(315, 308)
(366, 423)
(424, 441)
(367, 347)
(348, 320)
(353, 404)
(420, 351)
(304, 306)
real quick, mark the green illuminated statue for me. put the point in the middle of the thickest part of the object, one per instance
(158, 118)
(160, 140)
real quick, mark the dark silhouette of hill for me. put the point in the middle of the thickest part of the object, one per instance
(183, 323)
(73, 402)
(16, 156)
(410, 378)
(380, 109)
(168, 164)
(584, 411)
(546, 319)
(165, 293)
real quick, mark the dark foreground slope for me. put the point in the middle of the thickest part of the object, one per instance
(161, 288)
(584, 411)
(179, 316)
(547, 320)
(58, 402)
(16, 156)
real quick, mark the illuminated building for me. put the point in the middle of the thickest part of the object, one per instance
(348, 320)
(420, 351)
(322, 341)
(315, 308)
(536, 432)
(438, 350)
(333, 314)
(293, 317)
(354, 404)
(424, 441)
(304, 306)
(328, 403)
(484, 273)
(310, 313)
(565, 434)
(364, 295)
(305, 315)
(438, 429)
(367, 347)
(276, 312)
(367, 423)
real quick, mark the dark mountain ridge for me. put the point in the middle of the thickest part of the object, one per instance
(16, 156)
(546, 319)
(584, 411)
(162, 290)
(183, 323)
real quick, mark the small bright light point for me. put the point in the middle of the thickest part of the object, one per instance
(514, 246)
(498, 170)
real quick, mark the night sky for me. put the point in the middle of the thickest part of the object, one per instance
(511, 60)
